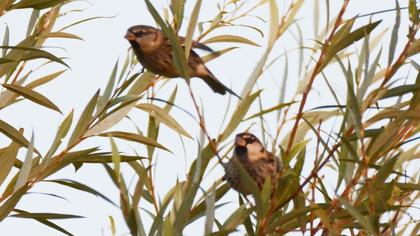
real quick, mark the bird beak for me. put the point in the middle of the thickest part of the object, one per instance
(240, 142)
(130, 36)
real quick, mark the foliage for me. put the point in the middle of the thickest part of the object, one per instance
(367, 153)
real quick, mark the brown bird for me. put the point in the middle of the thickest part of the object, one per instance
(154, 51)
(255, 159)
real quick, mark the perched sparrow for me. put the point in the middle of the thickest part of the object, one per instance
(154, 51)
(258, 162)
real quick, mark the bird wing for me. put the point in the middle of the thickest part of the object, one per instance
(275, 160)
(194, 44)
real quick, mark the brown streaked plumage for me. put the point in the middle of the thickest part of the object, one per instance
(154, 51)
(256, 160)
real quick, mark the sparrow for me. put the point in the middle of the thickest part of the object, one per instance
(255, 159)
(154, 52)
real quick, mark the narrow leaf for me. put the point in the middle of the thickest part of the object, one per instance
(230, 39)
(135, 138)
(7, 159)
(32, 95)
(111, 119)
(54, 216)
(82, 187)
(84, 119)
(27, 165)
(162, 116)
(238, 115)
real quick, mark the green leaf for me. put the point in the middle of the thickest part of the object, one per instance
(265, 199)
(47, 223)
(82, 187)
(210, 201)
(5, 42)
(116, 159)
(163, 116)
(5, 60)
(111, 119)
(14, 135)
(113, 228)
(67, 159)
(45, 79)
(358, 216)
(84, 20)
(84, 119)
(230, 39)
(394, 34)
(286, 218)
(108, 90)
(191, 27)
(269, 110)
(7, 159)
(141, 84)
(274, 23)
(54, 216)
(326, 220)
(352, 103)
(237, 217)
(125, 206)
(178, 54)
(32, 95)
(60, 35)
(11, 202)
(400, 90)
(177, 8)
(238, 115)
(256, 73)
(158, 219)
(347, 39)
(135, 138)
(37, 4)
(216, 54)
(300, 160)
(199, 209)
(287, 186)
(368, 78)
(61, 133)
(33, 53)
(385, 170)
(32, 22)
(413, 12)
(27, 166)
(251, 187)
(105, 158)
(299, 202)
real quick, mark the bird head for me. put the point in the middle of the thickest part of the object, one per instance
(247, 143)
(147, 38)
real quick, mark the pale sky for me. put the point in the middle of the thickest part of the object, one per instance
(91, 63)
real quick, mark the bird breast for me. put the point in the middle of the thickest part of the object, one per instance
(259, 171)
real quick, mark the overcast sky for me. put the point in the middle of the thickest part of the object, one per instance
(91, 63)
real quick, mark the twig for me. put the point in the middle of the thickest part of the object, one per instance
(315, 72)
(203, 125)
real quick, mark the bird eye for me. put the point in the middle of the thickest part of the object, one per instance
(250, 139)
(141, 33)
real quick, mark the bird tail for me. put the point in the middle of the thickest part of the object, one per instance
(217, 86)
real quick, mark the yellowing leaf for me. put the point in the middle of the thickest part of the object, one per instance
(111, 119)
(164, 117)
(60, 35)
(230, 39)
(7, 158)
(32, 95)
(135, 138)
(26, 167)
